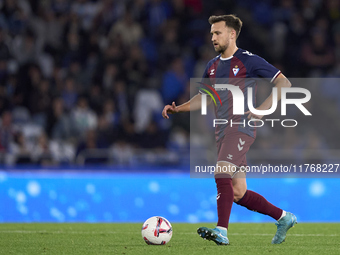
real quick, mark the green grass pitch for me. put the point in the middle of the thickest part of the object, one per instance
(38, 238)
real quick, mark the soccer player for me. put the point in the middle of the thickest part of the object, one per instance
(234, 142)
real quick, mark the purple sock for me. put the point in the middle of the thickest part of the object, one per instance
(255, 202)
(225, 197)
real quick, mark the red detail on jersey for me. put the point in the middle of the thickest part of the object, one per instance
(238, 80)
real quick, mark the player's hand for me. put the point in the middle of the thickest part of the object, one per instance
(253, 116)
(169, 109)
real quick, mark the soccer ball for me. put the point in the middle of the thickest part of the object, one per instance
(157, 230)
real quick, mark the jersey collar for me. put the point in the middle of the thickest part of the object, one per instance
(230, 56)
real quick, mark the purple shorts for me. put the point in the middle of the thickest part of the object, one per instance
(233, 147)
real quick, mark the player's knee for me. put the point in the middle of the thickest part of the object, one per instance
(238, 193)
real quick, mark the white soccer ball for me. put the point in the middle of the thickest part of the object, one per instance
(157, 230)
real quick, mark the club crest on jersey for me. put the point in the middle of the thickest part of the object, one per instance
(235, 70)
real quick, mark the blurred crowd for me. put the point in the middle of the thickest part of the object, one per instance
(85, 81)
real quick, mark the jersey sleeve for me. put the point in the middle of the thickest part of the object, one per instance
(205, 74)
(261, 68)
(205, 78)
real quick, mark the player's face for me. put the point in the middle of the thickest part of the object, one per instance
(220, 36)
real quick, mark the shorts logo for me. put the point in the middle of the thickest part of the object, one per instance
(218, 196)
(230, 156)
(239, 144)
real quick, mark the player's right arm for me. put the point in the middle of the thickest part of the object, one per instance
(192, 105)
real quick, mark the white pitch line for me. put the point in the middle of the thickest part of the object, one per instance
(120, 232)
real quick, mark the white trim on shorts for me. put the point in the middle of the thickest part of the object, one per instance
(238, 168)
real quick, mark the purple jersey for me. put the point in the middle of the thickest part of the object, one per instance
(233, 70)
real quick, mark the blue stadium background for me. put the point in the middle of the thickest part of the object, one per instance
(83, 83)
(101, 196)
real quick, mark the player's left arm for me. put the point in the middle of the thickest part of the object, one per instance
(280, 82)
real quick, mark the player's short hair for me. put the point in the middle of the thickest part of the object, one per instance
(230, 21)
